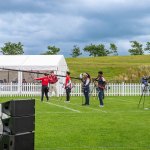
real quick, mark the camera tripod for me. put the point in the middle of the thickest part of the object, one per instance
(144, 90)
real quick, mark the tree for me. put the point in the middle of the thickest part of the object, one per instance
(147, 48)
(137, 48)
(12, 49)
(113, 49)
(101, 50)
(91, 49)
(76, 51)
(96, 50)
(52, 50)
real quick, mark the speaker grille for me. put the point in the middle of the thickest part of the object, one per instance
(18, 108)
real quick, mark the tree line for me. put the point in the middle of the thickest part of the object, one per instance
(94, 50)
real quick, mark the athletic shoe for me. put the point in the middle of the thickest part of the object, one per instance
(101, 105)
(85, 104)
(67, 101)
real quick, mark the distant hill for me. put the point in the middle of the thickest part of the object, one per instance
(114, 67)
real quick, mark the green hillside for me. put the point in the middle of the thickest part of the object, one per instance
(112, 66)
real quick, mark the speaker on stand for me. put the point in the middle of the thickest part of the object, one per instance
(17, 125)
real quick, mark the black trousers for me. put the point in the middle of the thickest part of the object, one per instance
(86, 94)
(44, 91)
(101, 96)
(68, 91)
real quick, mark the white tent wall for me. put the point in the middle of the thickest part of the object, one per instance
(61, 70)
(41, 63)
(33, 62)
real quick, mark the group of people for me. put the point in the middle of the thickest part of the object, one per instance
(99, 83)
(86, 80)
(46, 80)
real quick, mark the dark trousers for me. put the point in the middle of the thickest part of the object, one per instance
(101, 96)
(68, 91)
(86, 94)
(44, 91)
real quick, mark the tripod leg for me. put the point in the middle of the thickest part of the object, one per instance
(140, 100)
(144, 100)
(141, 97)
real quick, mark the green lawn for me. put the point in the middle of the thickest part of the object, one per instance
(112, 66)
(120, 125)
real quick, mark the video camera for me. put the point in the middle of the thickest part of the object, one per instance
(145, 80)
(146, 77)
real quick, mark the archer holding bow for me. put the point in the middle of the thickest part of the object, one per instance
(45, 89)
(101, 87)
(45, 80)
(68, 86)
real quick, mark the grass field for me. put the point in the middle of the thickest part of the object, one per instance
(120, 125)
(112, 66)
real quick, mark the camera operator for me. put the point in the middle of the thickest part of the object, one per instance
(85, 87)
(144, 81)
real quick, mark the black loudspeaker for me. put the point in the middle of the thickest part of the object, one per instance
(18, 108)
(17, 142)
(19, 125)
(16, 125)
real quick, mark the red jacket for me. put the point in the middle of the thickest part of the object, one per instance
(68, 82)
(53, 79)
(45, 80)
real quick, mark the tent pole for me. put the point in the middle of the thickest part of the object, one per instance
(35, 72)
(8, 76)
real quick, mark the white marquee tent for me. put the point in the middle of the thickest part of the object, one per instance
(34, 62)
(41, 63)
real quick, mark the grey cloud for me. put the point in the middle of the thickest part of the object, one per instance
(28, 6)
(66, 23)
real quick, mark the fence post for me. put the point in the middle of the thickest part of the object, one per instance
(123, 89)
(11, 88)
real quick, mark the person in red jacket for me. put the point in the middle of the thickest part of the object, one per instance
(68, 86)
(45, 89)
(53, 80)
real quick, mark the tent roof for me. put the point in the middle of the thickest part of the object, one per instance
(33, 62)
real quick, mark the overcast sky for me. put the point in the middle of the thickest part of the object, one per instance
(65, 23)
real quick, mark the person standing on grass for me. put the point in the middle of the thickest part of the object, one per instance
(45, 81)
(101, 86)
(53, 79)
(144, 81)
(86, 87)
(68, 86)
